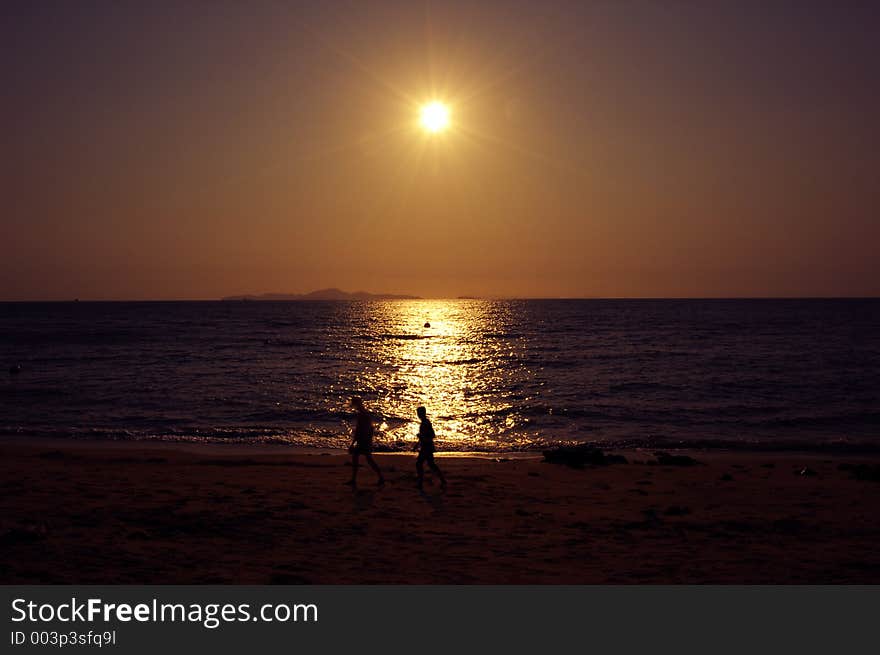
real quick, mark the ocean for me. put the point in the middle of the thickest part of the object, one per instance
(495, 375)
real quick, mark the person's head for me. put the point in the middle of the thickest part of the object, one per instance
(358, 403)
(423, 414)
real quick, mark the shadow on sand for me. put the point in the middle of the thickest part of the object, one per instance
(363, 498)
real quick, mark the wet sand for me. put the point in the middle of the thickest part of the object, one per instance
(94, 512)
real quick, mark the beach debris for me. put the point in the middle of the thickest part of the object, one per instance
(665, 459)
(868, 472)
(25, 535)
(807, 472)
(427, 325)
(580, 455)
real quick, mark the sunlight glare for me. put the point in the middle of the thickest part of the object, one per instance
(434, 117)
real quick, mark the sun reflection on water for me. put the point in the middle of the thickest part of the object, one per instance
(457, 358)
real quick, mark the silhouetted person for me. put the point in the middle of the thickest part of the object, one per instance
(426, 449)
(362, 442)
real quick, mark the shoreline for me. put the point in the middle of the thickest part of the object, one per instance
(705, 447)
(236, 447)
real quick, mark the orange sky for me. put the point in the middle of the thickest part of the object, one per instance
(651, 149)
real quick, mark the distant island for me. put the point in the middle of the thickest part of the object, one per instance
(324, 294)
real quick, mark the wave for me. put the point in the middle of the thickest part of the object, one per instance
(325, 439)
(398, 337)
(642, 386)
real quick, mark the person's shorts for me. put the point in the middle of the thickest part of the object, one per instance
(361, 448)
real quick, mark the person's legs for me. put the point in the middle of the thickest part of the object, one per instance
(436, 469)
(375, 467)
(420, 471)
(354, 468)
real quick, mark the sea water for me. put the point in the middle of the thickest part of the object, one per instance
(495, 375)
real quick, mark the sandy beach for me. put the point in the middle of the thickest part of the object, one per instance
(115, 512)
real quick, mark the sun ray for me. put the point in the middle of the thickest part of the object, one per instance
(483, 138)
(400, 181)
(492, 79)
(349, 57)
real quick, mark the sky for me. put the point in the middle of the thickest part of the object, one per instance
(616, 149)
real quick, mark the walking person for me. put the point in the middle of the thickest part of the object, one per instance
(362, 442)
(426, 449)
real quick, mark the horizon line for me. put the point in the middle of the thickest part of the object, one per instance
(233, 299)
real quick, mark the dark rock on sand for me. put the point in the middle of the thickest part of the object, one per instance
(26, 535)
(580, 455)
(665, 459)
(868, 472)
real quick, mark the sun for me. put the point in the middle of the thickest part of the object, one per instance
(434, 117)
